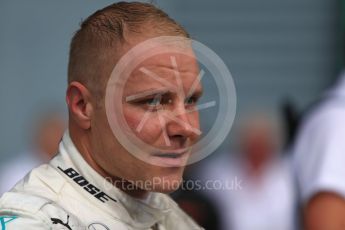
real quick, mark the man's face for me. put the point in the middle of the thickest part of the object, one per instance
(159, 106)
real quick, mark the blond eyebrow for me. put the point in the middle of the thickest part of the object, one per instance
(146, 93)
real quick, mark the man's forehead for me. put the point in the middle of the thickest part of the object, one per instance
(174, 61)
(164, 71)
(161, 62)
(156, 70)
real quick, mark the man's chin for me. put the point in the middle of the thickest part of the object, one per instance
(167, 189)
(166, 184)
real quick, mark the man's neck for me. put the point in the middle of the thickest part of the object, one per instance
(82, 143)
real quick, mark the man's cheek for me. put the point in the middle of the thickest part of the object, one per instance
(151, 131)
(133, 118)
(146, 128)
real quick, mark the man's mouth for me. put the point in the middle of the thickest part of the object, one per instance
(173, 158)
(168, 155)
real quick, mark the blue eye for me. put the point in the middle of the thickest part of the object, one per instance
(191, 100)
(153, 102)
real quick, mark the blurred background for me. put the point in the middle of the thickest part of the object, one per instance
(282, 56)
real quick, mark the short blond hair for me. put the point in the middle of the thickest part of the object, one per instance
(95, 46)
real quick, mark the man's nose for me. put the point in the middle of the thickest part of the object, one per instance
(179, 124)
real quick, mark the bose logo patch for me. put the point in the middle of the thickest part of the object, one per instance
(82, 182)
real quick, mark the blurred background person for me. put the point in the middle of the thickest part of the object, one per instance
(265, 199)
(46, 134)
(319, 161)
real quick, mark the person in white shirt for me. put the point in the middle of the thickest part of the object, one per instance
(319, 156)
(257, 189)
(94, 182)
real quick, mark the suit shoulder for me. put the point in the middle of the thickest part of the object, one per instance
(26, 211)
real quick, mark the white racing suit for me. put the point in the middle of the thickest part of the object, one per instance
(68, 194)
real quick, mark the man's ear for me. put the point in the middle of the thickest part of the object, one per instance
(78, 99)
